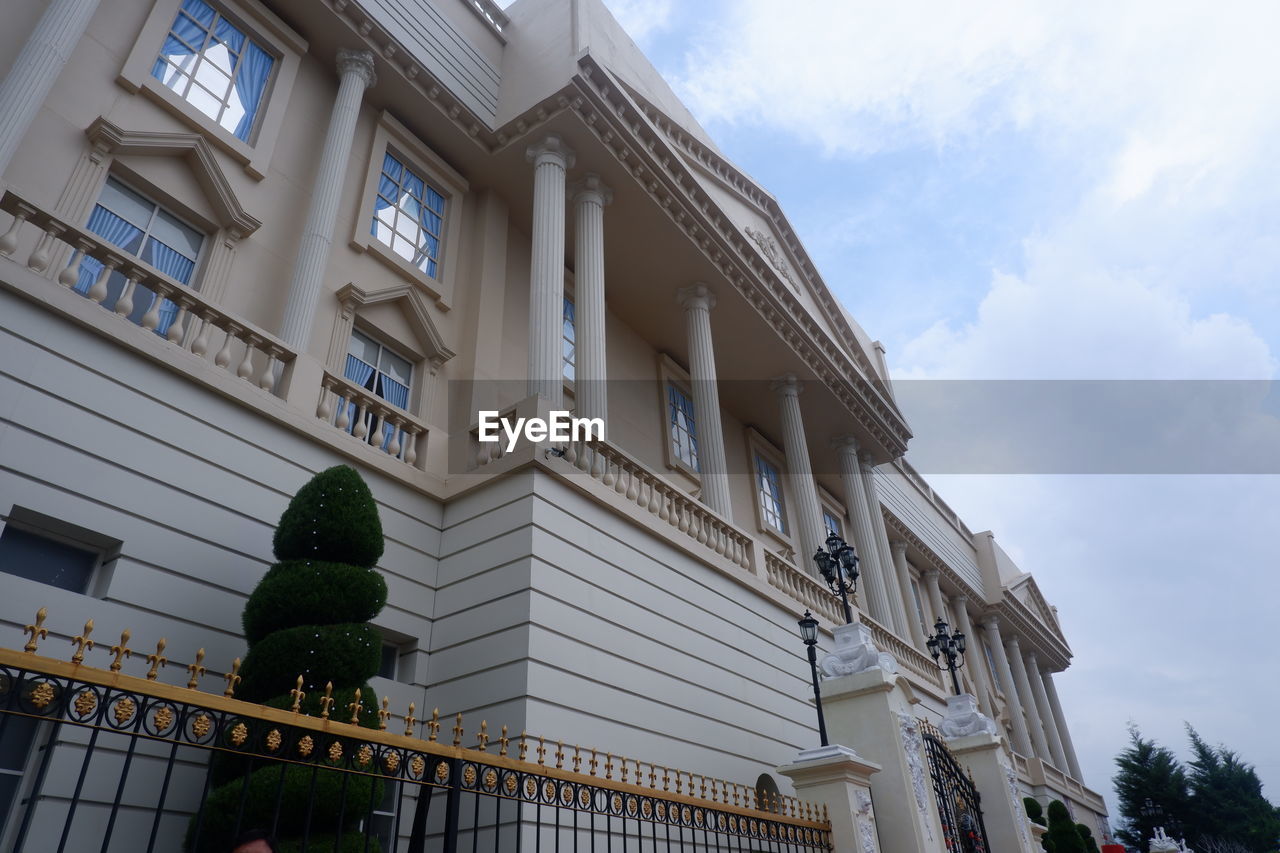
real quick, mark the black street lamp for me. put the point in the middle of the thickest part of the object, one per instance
(839, 567)
(951, 646)
(809, 633)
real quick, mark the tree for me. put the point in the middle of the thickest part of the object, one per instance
(1226, 800)
(1147, 772)
(1062, 830)
(308, 616)
(1035, 813)
(1086, 835)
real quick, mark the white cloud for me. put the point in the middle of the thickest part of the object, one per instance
(641, 18)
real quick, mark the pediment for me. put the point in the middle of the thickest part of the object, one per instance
(413, 307)
(1027, 592)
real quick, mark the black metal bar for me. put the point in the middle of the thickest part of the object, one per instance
(817, 694)
(244, 793)
(115, 804)
(418, 833)
(204, 795)
(342, 809)
(475, 815)
(451, 805)
(311, 801)
(275, 811)
(368, 815)
(34, 798)
(75, 796)
(395, 821)
(164, 793)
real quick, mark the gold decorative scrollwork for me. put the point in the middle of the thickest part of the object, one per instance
(306, 745)
(584, 798)
(490, 779)
(510, 785)
(416, 766)
(124, 709)
(162, 719)
(646, 809)
(660, 810)
(239, 733)
(442, 772)
(530, 788)
(41, 695)
(549, 790)
(469, 775)
(364, 755)
(391, 761)
(201, 724)
(686, 814)
(335, 751)
(273, 740)
(85, 703)
(616, 803)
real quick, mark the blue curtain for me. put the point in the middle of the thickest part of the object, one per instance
(251, 84)
(115, 231)
(359, 373)
(397, 395)
(177, 266)
(188, 30)
(387, 189)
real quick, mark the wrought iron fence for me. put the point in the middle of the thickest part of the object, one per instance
(122, 762)
(959, 803)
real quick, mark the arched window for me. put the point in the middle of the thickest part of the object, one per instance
(767, 793)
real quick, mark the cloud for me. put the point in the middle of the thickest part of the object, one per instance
(641, 18)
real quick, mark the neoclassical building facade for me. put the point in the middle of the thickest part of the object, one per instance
(246, 240)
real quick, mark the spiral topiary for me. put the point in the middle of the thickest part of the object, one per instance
(308, 616)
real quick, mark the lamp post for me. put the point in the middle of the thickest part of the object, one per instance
(948, 645)
(839, 567)
(809, 633)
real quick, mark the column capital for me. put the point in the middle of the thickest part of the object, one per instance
(787, 385)
(695, 296)
(358, 63)
(931, 574)
(864, 456)
(1031, 660)
(550, 150)
(1014, 644)
(899, 546)
(845, 444)
(959, 599)
(589, 189)
(991, 623)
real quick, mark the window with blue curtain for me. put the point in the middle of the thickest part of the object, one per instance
(140, 227)
(568, 338)
(684, 429)
(769, 493)
(381, 371)
(210, 63)
(832, 523)
(408, 215)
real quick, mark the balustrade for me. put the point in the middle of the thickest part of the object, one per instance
(904, 653)
(804, 588)
(366, 416)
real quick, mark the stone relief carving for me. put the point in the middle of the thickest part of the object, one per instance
(1161, 843)
(866, 821)
(913, 746)
(855, 652)
(1015, 800)
(963, 718)
(769, 248)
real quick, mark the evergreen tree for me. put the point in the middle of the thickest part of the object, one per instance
(1090, 846)
(1062, 830)
(308, 616)
(1226, 800)
(1147, 772)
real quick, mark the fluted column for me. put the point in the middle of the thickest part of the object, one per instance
(551, 159)
(697, 301)
(934, 593)
(903, 574)
(589, 198)
(355, 74)
(864, 538)
(974, 660)
(897, 614)
(1045, 712)
(37, 67)
(1027, 700)
(1060, 720)
(1021, 740)
(799, 471)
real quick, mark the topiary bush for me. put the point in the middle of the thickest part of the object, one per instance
(1035, 813)
(1062, 830)
(308, 616)
(1086, 835)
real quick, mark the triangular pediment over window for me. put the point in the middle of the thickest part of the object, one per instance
(411, 307)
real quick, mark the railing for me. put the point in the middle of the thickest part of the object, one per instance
(649, 491)
(957, 798)
(244, 350)
(904, 653)
(369, 418)
(137, 748)
(804, 588)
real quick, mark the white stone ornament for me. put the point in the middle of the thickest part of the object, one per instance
(855, 652)
(1161, 843)
(963, 718)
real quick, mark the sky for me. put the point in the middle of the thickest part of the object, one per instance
(1084, 191)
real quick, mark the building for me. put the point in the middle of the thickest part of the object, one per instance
(244, 240)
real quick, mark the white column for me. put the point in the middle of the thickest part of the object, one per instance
(903, 574)
(551, 159)
(974, 660)
(864, 538)
(589, 198)
(1061, 721)
(808, 520)
(1021, 741)
(1027, 700)
(697, 301)
(897, 615)
(355, 74)
(934, 593)
(37, 67)
(1045, 712)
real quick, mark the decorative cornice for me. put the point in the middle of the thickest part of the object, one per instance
(352, 296)
(769, 247)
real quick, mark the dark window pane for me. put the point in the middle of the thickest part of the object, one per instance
(28, 555)
(390, 660)
(19, 732)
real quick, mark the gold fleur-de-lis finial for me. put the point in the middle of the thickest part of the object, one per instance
(433, 725)
(593, 763)
(326, 701)
(680, 782)
(666, 781)
(559, 754)
(577, 760)
(384, 713)
(523, 752)
(608, 765)
(653, 777)
(410, 720)
(702, 787)
(355, 708)
(503, 742)
(121, 651)
(197, 670)
(298, 695)
(157, 660)
(37, 631)
(458, 731)
(232, 678)
(82, 643)
(482, 736)
(541, 750)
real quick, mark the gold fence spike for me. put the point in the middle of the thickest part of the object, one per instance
(666, 783)
(433, 725)
(826, 817)
(326, 701)
(542, 751)
(410, 721)
(121, 651)
(559, 754)
(458, 731)
(37, 631)
(503, 742)
(653, 777)
(577, 760)
(384, 713)
(482, 736)
(197, 670)
(157, 660)
(523, 751)
(232, 678)
(298, 695)
(82, 643)
(680, 782)
(355, 708)
(702, 789)
(735, 794)
(594, 763)
(622, 764)
(608, 765)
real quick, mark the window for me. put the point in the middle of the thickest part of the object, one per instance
(376, 368)
(915, 595)
(832, 523)
(769, 494)
(568, 335)
(210, 63)
(20, 733)
(991, 666)
(29, 554)
(141, 228)
(408, 215)
(389, 666)
(684, 428)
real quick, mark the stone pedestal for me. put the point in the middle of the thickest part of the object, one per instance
(1003, 814)
(836, 777)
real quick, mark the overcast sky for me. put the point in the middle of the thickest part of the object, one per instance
(1019, 191)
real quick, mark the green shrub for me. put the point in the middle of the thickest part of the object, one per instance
(347, 654)
(297, 592)
(1062, 830)
(332, 518)
(1086, 835)
(1035, 812)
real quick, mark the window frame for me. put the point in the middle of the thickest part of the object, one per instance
(758, 445)
(827, 503)
(105, 549)
(259, 24)
(390, 136)
(414, 361)
(670, 373)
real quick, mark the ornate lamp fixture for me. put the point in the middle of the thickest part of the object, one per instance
(839, 567)
(809, 633)
(949, 646)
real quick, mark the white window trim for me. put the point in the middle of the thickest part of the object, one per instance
(670, 372)
(758, 443)
(394, 136)
(398, 348)
(65, 533)
(259, 24)
(208, 234)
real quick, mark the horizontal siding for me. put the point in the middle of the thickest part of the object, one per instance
(921, 518)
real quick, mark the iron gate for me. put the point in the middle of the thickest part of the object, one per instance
(957, 797)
